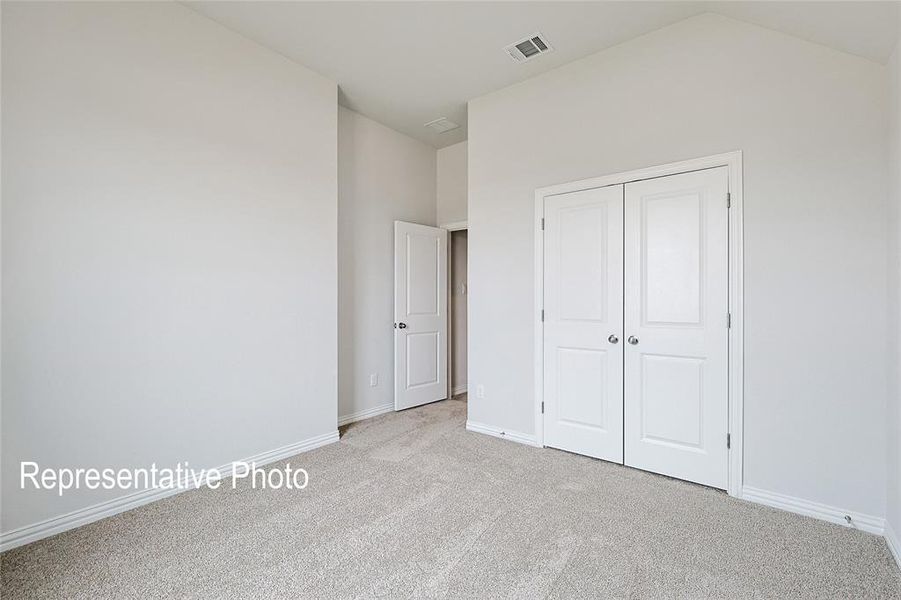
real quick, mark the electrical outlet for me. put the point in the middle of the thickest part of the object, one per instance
(480, 391)
(373, 380)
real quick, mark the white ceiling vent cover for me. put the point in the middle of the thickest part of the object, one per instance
(441, 125)
(528, 48)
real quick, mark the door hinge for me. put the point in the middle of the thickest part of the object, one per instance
(542, 223)
(728, 440)
(542, 315)
(728, 200)
(542, 408)
(729, 320)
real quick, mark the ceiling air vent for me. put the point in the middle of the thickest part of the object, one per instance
(529, 48)
(441, 125)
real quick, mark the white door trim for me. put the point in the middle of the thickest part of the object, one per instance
(451, 227)
(733, 162)
(455, 226)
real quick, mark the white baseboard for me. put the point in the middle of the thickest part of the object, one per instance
(893, 541)
(460, 389)
(83, 516)
(824, 512)
(513, 436)
(367, 413)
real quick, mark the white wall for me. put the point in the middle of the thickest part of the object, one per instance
(811, 122)
(459, 294)
(383, 176)
(169, 245)
(893, 516)
(452, 184)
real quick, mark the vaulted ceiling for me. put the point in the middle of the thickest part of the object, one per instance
(407, 63)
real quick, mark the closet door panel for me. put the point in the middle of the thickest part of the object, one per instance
(676, 302)
(583, 297)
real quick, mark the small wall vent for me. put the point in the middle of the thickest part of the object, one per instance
(528, 48)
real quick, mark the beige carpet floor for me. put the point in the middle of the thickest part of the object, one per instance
(410, 505)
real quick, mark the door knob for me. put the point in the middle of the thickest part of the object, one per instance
(613, 339)
(632, 340)
(401, 325)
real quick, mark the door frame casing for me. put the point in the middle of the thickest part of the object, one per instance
(455, 226)
(733, 163)
(451, 228)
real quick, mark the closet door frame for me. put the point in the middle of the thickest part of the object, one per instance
(733, 162)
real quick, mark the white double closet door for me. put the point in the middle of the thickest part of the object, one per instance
(635, 324)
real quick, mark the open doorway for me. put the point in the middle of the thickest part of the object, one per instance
(458, 290)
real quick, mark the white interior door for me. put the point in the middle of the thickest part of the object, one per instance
(583, 323)
(420, 314)
(676, 373)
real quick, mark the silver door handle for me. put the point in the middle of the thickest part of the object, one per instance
(632, 340)
(613, 339)
(401, 325)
